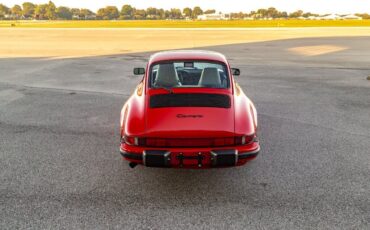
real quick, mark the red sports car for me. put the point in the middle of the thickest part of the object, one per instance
(188, 112)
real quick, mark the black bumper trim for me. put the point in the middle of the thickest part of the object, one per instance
(244, 155)
(251, 154)
(132, 156)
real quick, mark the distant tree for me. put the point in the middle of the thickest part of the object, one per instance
(102, 14)
(296, 14)
(283, 14)
(176, 13)
(209, 11)
(161, 14)
(76, 13)
(51, 11)
(252, 13)
(16, 11)
(112, 12)
(127, 12)
(108, 13)
(139, 14)
(152, 13)
(4, 10)
(261, 13)
(64, 13)
(267, 13)
(272, 13)
(40, 11)
(187, 12)
(28, 9)
(86, 14)
(239, 15)
(363, 16)
(167, 14)
(197, 11)
(307, 14)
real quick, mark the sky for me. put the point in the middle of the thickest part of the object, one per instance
(226, 6)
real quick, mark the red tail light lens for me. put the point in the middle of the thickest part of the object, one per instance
(189, 142)
(195, 142)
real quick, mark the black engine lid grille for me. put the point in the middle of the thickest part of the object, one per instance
(190, 100)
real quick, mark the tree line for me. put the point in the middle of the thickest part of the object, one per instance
(50, 11)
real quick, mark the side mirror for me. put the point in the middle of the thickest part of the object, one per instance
(139, 71)
(235, 71)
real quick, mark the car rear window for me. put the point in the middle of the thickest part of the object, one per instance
(187, 74)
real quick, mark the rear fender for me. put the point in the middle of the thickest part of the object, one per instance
(245, 113)
(133, 114)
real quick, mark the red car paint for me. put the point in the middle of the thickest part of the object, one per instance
(199, 125)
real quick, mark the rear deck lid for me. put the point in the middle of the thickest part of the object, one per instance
(190, 115)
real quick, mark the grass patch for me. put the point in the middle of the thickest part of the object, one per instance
(186, 24)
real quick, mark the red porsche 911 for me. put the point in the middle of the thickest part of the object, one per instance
(188, 112)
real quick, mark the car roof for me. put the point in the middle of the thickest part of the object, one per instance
(187, 55)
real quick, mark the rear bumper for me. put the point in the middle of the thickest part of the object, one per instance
(191, 158)
(248, 155)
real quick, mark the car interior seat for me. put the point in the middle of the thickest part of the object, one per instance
(210, 78)
(167, 76)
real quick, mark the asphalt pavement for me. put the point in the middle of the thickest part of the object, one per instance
(60, 166)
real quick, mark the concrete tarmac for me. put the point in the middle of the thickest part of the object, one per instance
(59, 145)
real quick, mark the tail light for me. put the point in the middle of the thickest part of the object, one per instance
(194, 142)
(131, 140)
(244, 140)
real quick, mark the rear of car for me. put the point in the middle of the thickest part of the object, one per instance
(189, 117)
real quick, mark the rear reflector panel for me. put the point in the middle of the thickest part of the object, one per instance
(189, 142)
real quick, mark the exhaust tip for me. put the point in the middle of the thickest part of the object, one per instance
(132, 164)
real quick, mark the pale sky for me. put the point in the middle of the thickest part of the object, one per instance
(226, 6)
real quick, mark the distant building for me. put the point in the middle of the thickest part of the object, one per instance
(215, 16)
(86, 17)
(313, 18)
(90, 17)
(13, 16)
(338, 17)
(331, 17)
